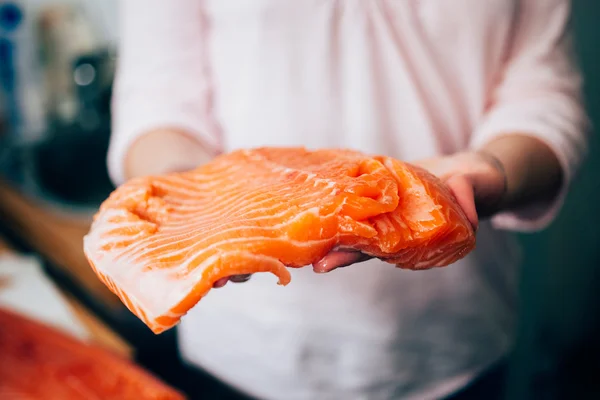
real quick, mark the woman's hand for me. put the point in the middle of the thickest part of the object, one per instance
(512, 170)
(476, 179)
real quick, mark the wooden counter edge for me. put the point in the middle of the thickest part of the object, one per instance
(57, 238)
(100, 333)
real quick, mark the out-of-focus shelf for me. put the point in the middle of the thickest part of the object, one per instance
(56, 236)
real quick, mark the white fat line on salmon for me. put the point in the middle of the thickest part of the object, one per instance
(205, 235)
(240, 192)
(238, 202)
(268, 186)
(199, 249)
(208, 227)
(168, 241)
(134, 249)
(144, 292)
(183, 268)
(187, 187)
(240, 199)
(265, 207)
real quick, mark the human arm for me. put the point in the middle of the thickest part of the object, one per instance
(533, 134)
(508, 172)
(538, 99)
(163, 150)
(161, 102)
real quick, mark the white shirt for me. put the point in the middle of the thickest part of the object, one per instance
(405, 78)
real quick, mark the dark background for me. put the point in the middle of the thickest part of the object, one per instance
(558, 348)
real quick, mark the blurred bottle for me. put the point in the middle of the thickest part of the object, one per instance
(70, 164)
(65, 35)
(19, 74)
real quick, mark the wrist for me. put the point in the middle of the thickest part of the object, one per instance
(531, 169)
(501, 194)
(488, 177)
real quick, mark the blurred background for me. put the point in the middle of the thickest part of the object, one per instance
(56, 69)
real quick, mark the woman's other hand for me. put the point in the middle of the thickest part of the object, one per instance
(476, 179)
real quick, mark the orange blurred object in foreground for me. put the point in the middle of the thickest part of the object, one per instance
(38, 362)
(160, 243)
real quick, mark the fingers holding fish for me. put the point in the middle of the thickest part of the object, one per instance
(339, 259)
(234, 278)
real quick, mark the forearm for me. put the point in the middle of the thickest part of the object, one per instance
(160, 84)
(533, 172)
(164, 150)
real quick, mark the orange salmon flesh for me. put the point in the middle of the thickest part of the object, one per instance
(38, 362)
(161, 242)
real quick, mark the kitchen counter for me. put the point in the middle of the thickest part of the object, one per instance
(99, 333)
(57, 238)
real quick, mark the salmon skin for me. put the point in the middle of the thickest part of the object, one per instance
(39, 363)
(161, 242)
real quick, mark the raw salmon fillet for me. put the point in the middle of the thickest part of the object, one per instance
(161, 242)
(39, 363)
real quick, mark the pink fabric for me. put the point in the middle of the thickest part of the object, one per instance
(473, 70)
(408, 78)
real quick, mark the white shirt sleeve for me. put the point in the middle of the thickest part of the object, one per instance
(540, 95)
(162, 77)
